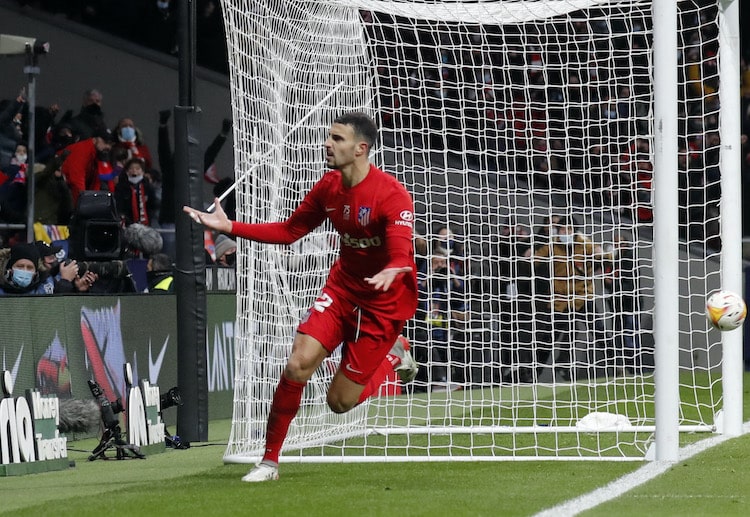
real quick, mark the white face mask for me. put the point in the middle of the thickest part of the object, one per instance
(21, 158)
(566, 238)
(135, 180)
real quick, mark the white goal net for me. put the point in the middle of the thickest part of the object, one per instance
(514, 124)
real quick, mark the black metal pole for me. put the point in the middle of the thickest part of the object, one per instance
(187, 51)
(190, 270)
(31, 70)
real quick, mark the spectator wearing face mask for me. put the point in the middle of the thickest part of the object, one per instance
(135, 199)
(13, 188)
(21, 157)
(11, 126)
(226, 251)
(20, 266)
(129, 138)
(440, 319)
(447, 243)
(87, 160)
(90, 120)
(57, 138)
(160, 274)
(17, 166)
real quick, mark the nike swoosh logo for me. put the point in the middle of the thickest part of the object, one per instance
(330, 209)
(154, 367)
(348, 366)
(16, 365)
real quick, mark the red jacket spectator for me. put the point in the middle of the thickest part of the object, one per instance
(81, 169)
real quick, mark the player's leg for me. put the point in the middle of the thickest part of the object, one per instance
(378, 350)
(322, 329)
(344, 393)
(399, 360)
(307, 354)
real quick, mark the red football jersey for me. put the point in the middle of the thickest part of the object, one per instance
(374, 220)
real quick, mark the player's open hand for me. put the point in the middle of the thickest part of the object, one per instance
(383, 280)
(216, 220)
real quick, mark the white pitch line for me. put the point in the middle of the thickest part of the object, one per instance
(630, 481)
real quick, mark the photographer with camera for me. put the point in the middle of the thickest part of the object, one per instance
(67, 276)
(27, 270)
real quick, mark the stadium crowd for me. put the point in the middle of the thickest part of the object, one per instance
(580, 123)
(513, 116)
(501, 98)
(101, 199)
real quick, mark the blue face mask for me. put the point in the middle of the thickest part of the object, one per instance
(162, 5)
(22, 278)
(127, 133)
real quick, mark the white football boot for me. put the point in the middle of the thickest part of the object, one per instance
(407, 368)
(262, 472)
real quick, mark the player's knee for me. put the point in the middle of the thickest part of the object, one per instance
(338, 405)
(297, 370)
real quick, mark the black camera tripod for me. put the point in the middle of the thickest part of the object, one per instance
(112, 437)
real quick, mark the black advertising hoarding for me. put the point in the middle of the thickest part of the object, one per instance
(57, 343)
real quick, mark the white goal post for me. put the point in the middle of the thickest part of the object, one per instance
(509, 122)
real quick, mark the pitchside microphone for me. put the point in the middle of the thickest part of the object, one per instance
(143, 238)
(78, 416)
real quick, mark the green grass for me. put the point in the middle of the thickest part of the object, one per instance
(195, 482)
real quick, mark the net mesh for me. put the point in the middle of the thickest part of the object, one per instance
(513, 124)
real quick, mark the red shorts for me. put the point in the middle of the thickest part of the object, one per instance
(366, 337)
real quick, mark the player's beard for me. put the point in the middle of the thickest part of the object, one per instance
(338, 163)
(340, 158)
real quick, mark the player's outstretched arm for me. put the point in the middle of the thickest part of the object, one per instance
(383, 280)
(216, 220)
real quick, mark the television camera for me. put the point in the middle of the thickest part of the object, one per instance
(112, 435)
(171, 398)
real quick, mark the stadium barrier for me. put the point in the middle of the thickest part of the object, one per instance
(57, 343)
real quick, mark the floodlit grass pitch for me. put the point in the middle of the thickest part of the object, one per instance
(194, 482)
(553, 407)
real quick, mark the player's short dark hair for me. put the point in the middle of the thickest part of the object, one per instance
(364, 126)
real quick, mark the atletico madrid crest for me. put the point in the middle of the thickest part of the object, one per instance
(363, 216)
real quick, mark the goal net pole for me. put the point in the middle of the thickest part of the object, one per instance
(666, 239)
(731, 206)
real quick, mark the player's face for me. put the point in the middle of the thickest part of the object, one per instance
(341, 146)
